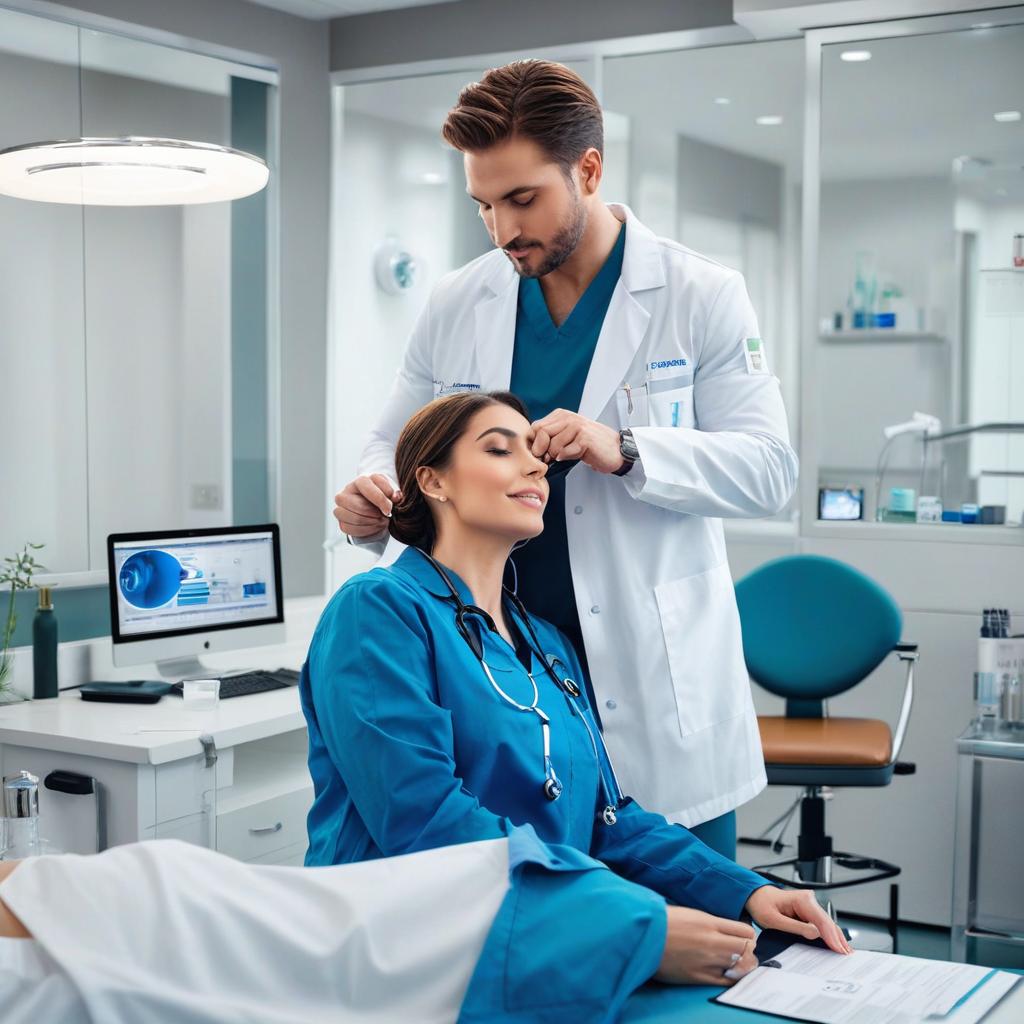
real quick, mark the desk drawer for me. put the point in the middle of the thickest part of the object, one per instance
(260, 828)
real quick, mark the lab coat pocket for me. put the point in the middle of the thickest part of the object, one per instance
(670, 402)
(701, 626)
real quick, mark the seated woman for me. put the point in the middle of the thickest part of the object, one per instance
(440, 712)
(434, 727)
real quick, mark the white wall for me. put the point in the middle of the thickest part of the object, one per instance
(379, 192)
(116, 320)
(994, 350)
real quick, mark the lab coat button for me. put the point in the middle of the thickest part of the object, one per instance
(578, 510)
(595, 610)
(610, 705)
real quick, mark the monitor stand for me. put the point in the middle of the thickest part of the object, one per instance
(184, 668)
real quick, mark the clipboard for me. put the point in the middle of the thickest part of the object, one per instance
(772, 943)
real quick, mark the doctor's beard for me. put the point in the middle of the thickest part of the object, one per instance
(561, 247)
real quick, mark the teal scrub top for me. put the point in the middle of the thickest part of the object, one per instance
(411, 748)
(549, 369)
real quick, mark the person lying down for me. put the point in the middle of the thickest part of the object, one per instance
(501, 930)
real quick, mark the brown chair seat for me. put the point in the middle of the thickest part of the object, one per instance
(825, 741)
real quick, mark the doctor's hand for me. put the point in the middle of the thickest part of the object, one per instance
(364, 506)
(796, 911)
(564, 435)
(701, 948)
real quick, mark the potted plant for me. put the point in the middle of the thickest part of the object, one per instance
(17, 573)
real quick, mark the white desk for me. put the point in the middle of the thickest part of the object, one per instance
(233, 778)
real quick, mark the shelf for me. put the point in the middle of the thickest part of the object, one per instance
(1001, 270)
(880, 334)
(944, 533)
(262, 771)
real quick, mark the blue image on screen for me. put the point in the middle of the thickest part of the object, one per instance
(149, 579)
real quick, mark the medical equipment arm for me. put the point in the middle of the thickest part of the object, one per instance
(386, 735)
(738, 462)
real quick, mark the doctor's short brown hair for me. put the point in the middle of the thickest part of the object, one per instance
(532, 99)
(427, 440)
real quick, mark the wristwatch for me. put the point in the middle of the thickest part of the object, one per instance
(628, 450)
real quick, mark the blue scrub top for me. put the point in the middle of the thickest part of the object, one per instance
(549, 370)
(411, 748)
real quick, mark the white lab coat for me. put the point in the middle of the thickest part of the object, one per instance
(647, 551)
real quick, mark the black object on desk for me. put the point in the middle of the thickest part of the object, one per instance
(247, 683)
(135, 691)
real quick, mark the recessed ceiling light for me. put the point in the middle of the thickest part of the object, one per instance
(1005, 116)
(723, 101)
(855, 56)
(983, 24)
(770, 119)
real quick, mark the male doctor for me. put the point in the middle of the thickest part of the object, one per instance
(641, 364)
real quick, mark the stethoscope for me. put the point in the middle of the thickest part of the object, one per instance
(552, 785)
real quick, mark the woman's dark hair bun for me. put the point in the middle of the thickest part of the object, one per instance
(427, 440)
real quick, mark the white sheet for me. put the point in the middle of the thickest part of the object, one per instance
(164, 931)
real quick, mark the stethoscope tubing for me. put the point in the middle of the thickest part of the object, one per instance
(552, 787)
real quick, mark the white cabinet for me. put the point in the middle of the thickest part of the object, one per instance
(233, 778)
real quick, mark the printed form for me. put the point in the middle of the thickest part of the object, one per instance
(818, 985)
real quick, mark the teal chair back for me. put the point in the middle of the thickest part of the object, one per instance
(813, 627)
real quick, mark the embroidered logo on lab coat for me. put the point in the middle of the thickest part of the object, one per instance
(453, 387)
(753, 351)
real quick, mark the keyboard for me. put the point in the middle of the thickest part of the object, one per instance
(251, 682)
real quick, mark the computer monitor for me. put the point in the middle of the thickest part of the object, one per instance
(176, 594)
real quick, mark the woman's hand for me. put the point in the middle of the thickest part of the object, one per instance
(796, 911)
(704, 950)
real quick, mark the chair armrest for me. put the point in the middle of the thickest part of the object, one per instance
(907, 652)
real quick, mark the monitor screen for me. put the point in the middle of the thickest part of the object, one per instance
(841, 503)
(193, 581)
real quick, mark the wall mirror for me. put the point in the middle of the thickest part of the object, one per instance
(136, 343)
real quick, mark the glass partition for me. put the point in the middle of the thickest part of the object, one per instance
(141, 335)
(714, 162)
(920, 309)
(44, 457)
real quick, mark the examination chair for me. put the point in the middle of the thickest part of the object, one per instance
(814, 628)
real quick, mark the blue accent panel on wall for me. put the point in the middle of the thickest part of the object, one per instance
(82, 613)
(249, 344)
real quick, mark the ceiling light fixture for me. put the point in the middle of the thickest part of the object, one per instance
(855, 56)
(770, 119)
(1007, 116)
(130, 171)
(723, 101)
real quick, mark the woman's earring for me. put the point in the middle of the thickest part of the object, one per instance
(441, 497)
